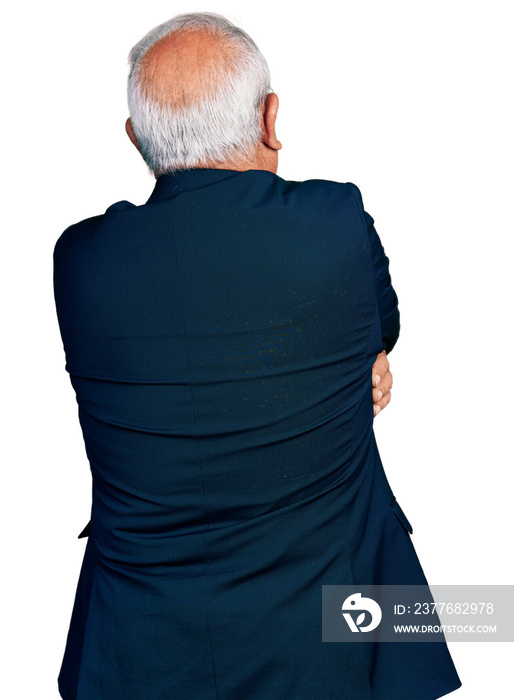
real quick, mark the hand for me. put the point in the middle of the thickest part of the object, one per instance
(382, 383)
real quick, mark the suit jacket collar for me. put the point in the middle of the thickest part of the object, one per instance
(171, 184)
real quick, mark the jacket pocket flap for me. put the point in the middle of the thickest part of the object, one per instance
(85, 531)
(401, 516)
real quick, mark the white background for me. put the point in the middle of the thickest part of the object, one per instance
(410, 100)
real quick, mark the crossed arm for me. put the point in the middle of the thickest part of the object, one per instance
(387, 305)
(382, 383)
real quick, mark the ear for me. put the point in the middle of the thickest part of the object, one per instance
(269, 117)
(130, 132)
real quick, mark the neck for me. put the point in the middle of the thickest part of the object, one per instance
(264, 159)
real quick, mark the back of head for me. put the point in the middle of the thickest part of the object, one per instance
(195, 91)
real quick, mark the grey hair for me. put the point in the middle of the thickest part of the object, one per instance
(216, 127)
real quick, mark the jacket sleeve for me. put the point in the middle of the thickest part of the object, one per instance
(387, 301)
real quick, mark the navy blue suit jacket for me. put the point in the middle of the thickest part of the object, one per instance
(220, 340)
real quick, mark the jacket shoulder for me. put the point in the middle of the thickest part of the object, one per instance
(85, 228)
(327, 189)
(326, 198)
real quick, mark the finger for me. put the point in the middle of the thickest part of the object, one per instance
(380, 405)
(380, 368)
(385, 385)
